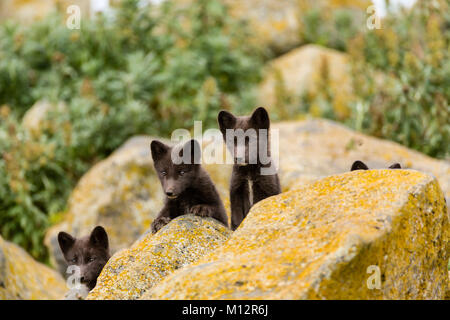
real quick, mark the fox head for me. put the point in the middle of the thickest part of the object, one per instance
(176, 177)
(246, 136)
(359, 165)
(90, 254)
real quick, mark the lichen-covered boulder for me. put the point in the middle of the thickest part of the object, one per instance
(314, 149)
(377, 234)
(131, 272)
(21, 277)
(306, 70)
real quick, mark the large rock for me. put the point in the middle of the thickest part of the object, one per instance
(378, 234)
(130, 273)
(306, 70)
(21, 277)
(123, 194)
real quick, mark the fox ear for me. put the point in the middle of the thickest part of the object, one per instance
(226, 120)
(99, 238)
(395, 166)
(260, 118)
(159, 149)
(192, 147)
(359, 165)
(65, 241)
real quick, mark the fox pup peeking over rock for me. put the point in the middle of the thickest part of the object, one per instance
(247, 138)
(187, 185)
(359, 165)
(89, 253)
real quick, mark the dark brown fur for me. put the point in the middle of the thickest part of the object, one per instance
(188, 187)
(359, 165)
(90, 253)
(246, 175)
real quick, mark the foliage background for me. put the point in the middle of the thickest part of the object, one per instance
(152, 71)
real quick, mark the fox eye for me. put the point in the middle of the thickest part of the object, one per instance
(163, 173)
(91, 259)
(74, 260)
(181, 172)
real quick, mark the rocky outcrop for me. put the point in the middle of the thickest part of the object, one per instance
(378, 234)
(306, 70)
(130, 273)
(21, 277)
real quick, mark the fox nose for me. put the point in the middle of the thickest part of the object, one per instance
(82, 279)
(169, 193)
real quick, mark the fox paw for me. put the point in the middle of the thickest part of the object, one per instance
(158, 223)
(201, 210)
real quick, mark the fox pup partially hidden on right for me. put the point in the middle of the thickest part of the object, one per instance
(248, 183)
(359, 165)
(187, 186)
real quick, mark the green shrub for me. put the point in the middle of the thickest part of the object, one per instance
(329, 28)
(143, 71)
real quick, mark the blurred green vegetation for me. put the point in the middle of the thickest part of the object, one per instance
(410, 60)
(400, 76)
(139, 72)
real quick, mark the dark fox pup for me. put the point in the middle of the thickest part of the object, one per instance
(359, 165)
(187, 185)
(90, 253)
(249, 182)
